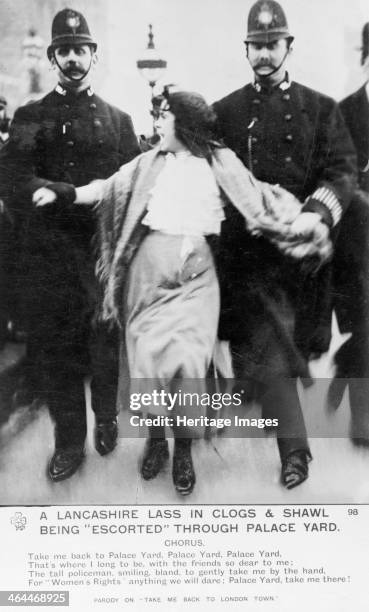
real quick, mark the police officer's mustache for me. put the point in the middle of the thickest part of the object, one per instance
(264, 65)
(73, 68)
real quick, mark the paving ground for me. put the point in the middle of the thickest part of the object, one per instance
(228, 470)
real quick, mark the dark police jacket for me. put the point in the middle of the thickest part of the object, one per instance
(296, 137)
(355, 109)
(290, 135)
(63, 138)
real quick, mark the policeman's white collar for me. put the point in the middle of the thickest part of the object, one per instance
(62, 91)
(283, 85)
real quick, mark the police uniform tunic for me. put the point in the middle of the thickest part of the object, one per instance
(69, 138)
(296, 137)
(291, 135)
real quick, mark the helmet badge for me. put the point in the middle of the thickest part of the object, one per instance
(265, 17)
(73, 21)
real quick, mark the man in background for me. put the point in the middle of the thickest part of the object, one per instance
(351, 269)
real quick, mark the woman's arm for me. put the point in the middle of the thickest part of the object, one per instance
(90, 194)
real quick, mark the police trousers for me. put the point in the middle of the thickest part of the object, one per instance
(66, 342)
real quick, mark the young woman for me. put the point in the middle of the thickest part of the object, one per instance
(156, 215)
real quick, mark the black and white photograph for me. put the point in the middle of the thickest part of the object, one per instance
(184, 268)
(184, 293)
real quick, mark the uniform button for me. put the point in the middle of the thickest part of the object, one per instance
(97, 123)
(288, 117)
(70, 143)
(286, 97)
(288, 160)
(255, 162)
(254, 119)
(93, 106)
(68, 123)
(289, 137)
(71, 164)
(256, 101)
(254, 139)
(67, 106)
(101, 142)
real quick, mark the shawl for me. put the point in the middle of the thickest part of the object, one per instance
(123, 205)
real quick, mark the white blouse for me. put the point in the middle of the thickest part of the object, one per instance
(185, 199)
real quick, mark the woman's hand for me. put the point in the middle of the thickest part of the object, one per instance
(43, 196)
(307, 224)
(309, 237)
(282, 205)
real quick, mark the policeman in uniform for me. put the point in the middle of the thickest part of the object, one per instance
(351, 268)
(67, 139)
(293, 136)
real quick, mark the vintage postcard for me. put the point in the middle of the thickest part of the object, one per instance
(184, 337)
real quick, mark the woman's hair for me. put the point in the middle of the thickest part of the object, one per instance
(194, 121)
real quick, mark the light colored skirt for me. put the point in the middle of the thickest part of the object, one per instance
(171, 313)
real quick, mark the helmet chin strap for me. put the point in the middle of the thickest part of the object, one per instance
(78, 79)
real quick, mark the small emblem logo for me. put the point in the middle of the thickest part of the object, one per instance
(265, 17)
(19, 521)
(73, 21)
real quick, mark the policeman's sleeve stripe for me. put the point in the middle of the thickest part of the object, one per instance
(329, 199)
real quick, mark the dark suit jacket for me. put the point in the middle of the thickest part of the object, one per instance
(355, 109)
(351, 262)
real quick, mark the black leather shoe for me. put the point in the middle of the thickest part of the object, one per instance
(155, 457)
(183, 471)
(65, 462)
(295, 469)
(106, 434)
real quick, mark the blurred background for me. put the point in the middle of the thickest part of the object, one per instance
(201, 41)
